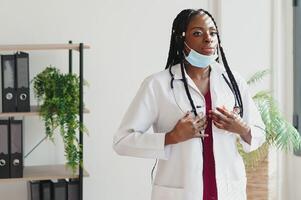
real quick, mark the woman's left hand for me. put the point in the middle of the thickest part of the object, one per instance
(229, 121)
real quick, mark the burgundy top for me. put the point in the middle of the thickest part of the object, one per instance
(209, 182)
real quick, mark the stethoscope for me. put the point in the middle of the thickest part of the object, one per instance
(236, 107)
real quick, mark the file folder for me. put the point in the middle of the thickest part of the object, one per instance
(4, 149)
(22, 83)
(34, 190)
(73, 189)
(15, 82)
(8, 83)
(46, 190)
(59, 189)
(16, 148)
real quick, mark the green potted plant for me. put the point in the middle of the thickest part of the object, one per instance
(58, 99)
(279, 132)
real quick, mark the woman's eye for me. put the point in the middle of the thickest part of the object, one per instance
(197, 33)
(213, 33)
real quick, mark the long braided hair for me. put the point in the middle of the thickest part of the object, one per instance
(176, 55)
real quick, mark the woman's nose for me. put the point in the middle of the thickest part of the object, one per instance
(208, 38)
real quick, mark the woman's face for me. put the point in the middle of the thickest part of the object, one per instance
(201, 35)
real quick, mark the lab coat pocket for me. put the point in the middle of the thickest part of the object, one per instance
(167, 193)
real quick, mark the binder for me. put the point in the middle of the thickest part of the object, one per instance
(4, 149)
(8, 83)
(59, 189)
(15, 82)
(46, 190)
(16, 148)
(34, 190)
(22, 83)
(73, 189)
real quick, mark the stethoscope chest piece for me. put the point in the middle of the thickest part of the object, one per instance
(236, 110)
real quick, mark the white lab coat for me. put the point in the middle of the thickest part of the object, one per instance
(179, 169)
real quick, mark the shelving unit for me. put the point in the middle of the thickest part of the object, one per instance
(34, 111)
(32, 47)
(46, 172)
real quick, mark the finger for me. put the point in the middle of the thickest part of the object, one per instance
(225, 112)
(200, 135)
(218, 125)
(221, 113)
(200, 121)
(201, 125)
(219, 116)
(235, 116)
(197, 120)
(184, 117)
(217, 119)
(197, 127)
(200, 115)
(194, 127)
(187, 116)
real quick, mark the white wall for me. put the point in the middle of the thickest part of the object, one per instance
(129, 41)
(247, 37)
(259, 35)
(289, 164)
(246, 34)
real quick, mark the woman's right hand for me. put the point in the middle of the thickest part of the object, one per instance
(186, 128)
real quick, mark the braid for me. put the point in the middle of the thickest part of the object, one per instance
(228, 70)
(179, 26)
(176, 56)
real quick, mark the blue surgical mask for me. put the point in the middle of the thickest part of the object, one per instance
(199, 60)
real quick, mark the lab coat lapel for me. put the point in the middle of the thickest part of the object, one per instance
(178, 75)
(215, 74)
(179, 93)
(221, 94)
(214, 84)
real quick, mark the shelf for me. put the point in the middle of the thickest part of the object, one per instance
(45, 172)
(32, 47)
(34, 111)
(49, 172)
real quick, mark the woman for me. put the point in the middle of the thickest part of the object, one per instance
(198, 110)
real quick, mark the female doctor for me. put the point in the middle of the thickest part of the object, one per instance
(198, 109)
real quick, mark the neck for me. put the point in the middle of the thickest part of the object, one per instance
(197, 73)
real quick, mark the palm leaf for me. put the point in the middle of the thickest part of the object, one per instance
(279, 133)
(258, 76)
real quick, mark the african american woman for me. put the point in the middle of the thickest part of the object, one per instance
(198, 109)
